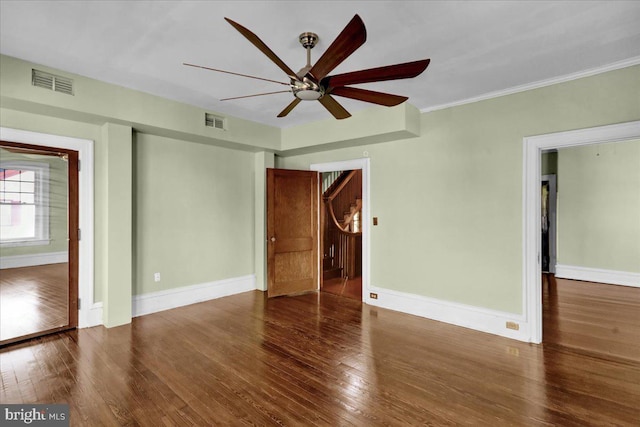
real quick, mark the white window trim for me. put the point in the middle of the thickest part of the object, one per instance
(42, 236)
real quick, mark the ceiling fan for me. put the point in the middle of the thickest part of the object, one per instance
(312, 82)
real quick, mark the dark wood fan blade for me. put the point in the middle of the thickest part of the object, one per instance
(351, 38)
(289, 107)
(374, 97)
(235, 74)
(263, 47)
(257, 94)
(406, 70)
(334, 107)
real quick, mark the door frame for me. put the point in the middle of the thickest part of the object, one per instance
(532, 153)
(72, 237)
(89, 313)
(362, 164)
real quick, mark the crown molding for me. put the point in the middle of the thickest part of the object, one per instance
(539, 84)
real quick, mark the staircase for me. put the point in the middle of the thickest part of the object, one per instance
(351, 219)
(341, 226)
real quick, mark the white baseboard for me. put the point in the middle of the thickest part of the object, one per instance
(178, 297)
(172, 298)
(17, 261)
(91, 316)
(598, 275)
(477, 318)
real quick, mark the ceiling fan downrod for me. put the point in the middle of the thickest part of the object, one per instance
(304, 88)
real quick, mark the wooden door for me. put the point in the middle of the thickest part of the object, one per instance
(292, 231)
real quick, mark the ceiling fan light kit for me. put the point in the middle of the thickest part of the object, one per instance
(312, 82)
(307, 90)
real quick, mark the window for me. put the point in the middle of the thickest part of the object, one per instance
(24, 204)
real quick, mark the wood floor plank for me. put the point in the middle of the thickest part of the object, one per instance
(592, 317)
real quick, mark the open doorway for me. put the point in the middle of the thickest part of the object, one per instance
(341, 233)
(359, 219)
(599, 233)
(548, 223)
(533, 149)
(38, 248)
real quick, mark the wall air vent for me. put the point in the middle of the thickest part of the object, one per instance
(214, 121)
(51, 82)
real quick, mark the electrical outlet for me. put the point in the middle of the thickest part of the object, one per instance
(156, 277)
(373, 295)
(513, 325)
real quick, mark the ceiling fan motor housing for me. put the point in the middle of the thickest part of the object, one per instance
(306, 89)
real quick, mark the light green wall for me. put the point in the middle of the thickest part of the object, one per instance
(57, 205)
(262, 161)
(194, 217)
(99, 102)
(450, 201)
(118, 224)
(599, 206)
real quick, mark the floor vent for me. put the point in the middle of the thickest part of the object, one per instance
(51, 82)
(214, 121)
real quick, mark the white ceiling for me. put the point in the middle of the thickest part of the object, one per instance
(476, 47)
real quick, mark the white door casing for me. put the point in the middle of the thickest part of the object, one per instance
(533, 147)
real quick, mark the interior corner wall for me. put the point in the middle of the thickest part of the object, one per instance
(194, 215)
(263, 160)
(449, 202)
(599, 207)
(218, 182)
(168, 178)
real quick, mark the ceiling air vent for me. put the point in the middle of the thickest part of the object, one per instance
(214, 121)
(51, 82)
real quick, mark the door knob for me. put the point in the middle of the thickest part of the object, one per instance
(273, 239)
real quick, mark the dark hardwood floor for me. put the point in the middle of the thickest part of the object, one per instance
(596, 318)
(349, 288)
(314, 359)
(33, 299)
